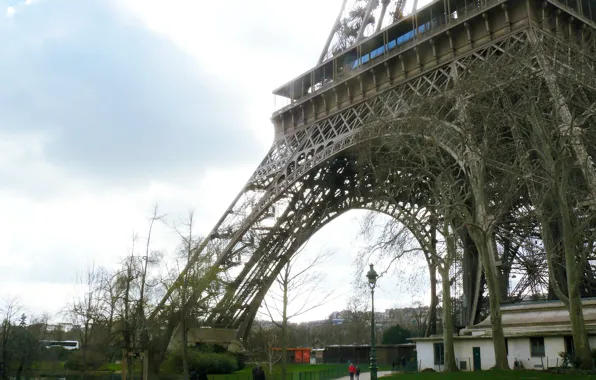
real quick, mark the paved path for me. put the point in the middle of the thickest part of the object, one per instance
(366, 375)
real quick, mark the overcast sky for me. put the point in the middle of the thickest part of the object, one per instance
(109, 106)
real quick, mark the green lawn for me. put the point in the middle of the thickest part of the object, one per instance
(296, 372)
(488, 375)
(294, 367)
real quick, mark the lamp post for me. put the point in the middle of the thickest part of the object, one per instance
(372, 283)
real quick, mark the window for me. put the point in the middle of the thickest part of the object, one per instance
(439, 349)
(569, 347)
(537, 347)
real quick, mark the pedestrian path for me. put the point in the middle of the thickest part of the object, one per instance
(366, 375)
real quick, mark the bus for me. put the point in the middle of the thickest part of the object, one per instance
(66, 344)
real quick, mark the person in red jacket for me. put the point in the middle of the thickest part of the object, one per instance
(352, 371)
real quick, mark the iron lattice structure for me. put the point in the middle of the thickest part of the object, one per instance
(310, 175)
(358, 19)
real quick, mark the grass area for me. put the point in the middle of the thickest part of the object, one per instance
(313, 368)
(297, 372)
(295, 368)
(111, 367)
(488, 375)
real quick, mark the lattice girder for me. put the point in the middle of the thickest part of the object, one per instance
(264, 198)
(320, 205)
(265, 221)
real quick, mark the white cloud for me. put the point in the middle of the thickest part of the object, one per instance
(10, 11)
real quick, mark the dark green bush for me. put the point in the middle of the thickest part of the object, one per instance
(94, 360)
(240, 359)
(212, 363)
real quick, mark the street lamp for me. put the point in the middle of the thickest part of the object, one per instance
(372, 283)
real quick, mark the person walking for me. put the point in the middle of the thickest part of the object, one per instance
(352, 371)
(357, 372)
(259, 373)
(193, 374)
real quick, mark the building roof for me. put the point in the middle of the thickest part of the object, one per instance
(528, 319)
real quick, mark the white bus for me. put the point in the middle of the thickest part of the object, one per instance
(66, 344)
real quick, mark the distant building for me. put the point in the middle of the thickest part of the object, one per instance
(297, 355)
(360, 353)
(60, 327)
(535, 333)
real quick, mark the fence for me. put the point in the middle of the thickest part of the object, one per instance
(324, 374)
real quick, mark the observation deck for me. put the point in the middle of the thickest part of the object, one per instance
(420, 42)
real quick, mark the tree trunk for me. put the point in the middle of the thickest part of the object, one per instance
(574, 275)
(20, 370)
(450, 255)
(484, 239)
(183, 331)
(184, 349)
(431, 326)
(578, 327)
(284, 329)
(84, 357)
(159, 346)
(471, 279)
(450, 364)
(505, 270)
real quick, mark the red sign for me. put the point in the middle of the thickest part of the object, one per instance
(306, 356)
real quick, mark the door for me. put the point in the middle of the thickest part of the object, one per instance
(476, 354)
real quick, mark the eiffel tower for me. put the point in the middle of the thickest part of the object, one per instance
(375, 59)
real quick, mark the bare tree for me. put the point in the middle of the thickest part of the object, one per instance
(149, 258)
(128, 292)
(85, 311)
(297, 290)
(126, 311)
(110, 294)
(551, 145)
(272, 352)
(9, 314)
(191, 305)
(401, 239)
(453, 135)
(358, 316)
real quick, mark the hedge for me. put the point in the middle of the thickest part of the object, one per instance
(211, 363)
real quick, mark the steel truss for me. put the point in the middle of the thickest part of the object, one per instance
(358, 19)
(310, 177)
(291, 169)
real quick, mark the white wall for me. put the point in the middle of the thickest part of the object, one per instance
(519, 349)
(426, 355)
(464, 352)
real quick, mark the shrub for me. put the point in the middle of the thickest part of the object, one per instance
(94, 360)
(566, 359)
(57, 353)
(211, 363)
(240, 359)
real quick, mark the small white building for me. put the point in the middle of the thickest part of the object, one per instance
(535, 332)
